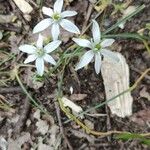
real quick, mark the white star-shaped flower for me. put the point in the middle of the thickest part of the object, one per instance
(39, 54)
(57, 18)
(97, 48)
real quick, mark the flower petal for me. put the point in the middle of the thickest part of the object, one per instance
(85, 59)
(96, 32)
(39, 63)
(47, 11)
(110, 54)
(45, 23)
(68, 13)
(98, 62)
(52, 46)
(27, 48)
(30, 58)
(55, 31)
(107, 42)
(69, 26)
(58, 6)
(82, 42)
(39, 42)
(49, 59)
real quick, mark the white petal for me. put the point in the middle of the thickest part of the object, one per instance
(107, 42)
(39, 42)
(49, 59)
(85, 59)
(52, 46)
(82, 42)
(98, 62)
(39, 63)
(42, 25)
(69, 26)
(30, 58)
(58, 6)
(68, 13)
(96, 32)
(27, 48)
(47, 11)
(110, 54)
(55, 31)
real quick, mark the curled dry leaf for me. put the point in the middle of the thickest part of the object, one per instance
(116, 80)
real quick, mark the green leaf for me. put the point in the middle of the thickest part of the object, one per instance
(133, 136)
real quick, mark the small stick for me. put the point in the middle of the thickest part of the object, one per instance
(10, 90)
(10, 27)
(90, 8)
(61, 126)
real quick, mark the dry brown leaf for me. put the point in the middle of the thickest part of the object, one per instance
(29, 80)
(16, 144)
(7, 18)
(78, 97)
(142, 117)
(145, 94)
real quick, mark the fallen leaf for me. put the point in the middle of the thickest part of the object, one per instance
(16, 144)
(145, 94)
(7, 18)
(78, 97)
(142, 117)
(42, 127)
(24, 6)
(3, 144)
(30, 81)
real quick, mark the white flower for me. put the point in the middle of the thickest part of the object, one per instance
(97, 49)
(39, 54)
(57, 18)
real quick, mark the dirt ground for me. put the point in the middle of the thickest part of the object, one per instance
(23, 126)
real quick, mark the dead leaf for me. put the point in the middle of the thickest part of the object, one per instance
(7, 18)
(3, 144)
(142, 117)
(42, 146)
(145, 94)
(30, 81)
(42, 126)
(14, 40)
(24, 6)
(78, 97)
(16, 144)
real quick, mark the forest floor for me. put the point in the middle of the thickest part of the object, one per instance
(25, 126)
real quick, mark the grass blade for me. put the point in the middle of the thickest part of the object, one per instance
(138, 9)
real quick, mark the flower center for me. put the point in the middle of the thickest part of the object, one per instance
(40, 52)
(56, 17)
(97, 48)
